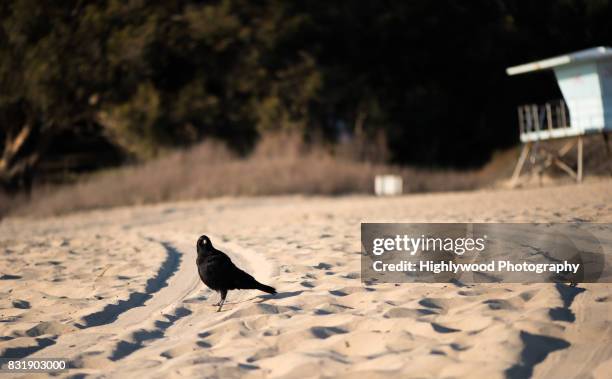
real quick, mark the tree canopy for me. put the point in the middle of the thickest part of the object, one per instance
(150, 75)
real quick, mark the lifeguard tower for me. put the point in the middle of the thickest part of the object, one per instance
(585, 80)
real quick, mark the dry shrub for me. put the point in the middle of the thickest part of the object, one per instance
(7, 203)
(280, 164)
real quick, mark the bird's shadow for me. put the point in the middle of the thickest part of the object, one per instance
(264, 298)
(261, 298)
(278, 295)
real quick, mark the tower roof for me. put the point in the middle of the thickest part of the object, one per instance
(592, 54)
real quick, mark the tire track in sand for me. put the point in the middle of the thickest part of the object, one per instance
(115, 336)
(174, 281)
(164, 328)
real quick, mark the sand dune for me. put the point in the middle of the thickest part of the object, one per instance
(117, 293)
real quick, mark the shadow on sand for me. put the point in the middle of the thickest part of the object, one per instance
(137, 299)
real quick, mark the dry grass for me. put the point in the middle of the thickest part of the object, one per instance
(280, 164)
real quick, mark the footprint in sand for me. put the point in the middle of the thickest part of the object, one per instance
(408, 313)
(350, 290)
(328, 309)
(324, 332)
(323, 266)
(498, 304)
(459, 347)
(21, 304)
(431, 303)
(443, 329)
(307, 284)
(352, 275)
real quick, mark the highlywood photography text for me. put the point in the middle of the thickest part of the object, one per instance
(459, 246)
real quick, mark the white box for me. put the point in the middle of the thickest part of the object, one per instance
(388, 185)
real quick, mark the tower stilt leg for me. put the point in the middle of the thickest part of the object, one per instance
(579, 173)
(519, 165)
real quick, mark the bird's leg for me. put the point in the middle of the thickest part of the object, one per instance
(218, 302)
(222, 301)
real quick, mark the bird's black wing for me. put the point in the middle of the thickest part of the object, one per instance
(218, 272)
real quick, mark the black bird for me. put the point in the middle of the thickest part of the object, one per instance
(220, 274)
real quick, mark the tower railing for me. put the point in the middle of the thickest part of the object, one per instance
(536, 118)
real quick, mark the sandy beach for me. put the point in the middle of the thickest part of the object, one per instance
(117, 293)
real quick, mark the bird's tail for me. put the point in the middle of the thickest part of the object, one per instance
(263, 287)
